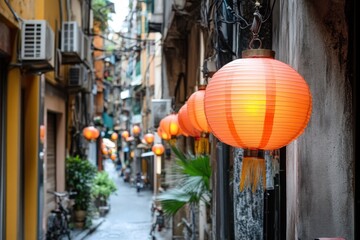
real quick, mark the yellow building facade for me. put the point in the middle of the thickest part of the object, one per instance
(30, 167)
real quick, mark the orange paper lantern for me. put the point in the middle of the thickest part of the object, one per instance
(105, 151)
(257, 102)
(42, 133)
(163, 134)
(125, 134)
(158, 149)
(196, 112)
(91, 133)
(113, 156)
(136, 130)
(114, 136)
(185, 124)
(170, 125)
(149, 138)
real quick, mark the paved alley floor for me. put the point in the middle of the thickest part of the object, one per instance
(129, 217)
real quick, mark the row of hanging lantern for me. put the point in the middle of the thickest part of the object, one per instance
(256, 103)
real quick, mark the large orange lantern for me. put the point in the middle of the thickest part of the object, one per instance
(91, 133)
(136, 130)
(105, 151)
(185, 124)
(196, 112)
(158, 149)
(114, 136)
(149, 138)
(125, 134)
(257, 102)
(170, 125)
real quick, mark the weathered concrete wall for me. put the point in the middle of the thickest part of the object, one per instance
(312, 37)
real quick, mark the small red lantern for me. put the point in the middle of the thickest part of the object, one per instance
(196, 112)
(114, 136)
(136, 130)
(158, 149)
(125, 134)
(91, 133)
(149, 138)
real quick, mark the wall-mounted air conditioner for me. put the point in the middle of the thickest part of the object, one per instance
(71, 43)
(76, 76)
(37, 46)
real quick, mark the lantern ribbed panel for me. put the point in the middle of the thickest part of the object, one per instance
(185, 124)
(257, 103)
(170, 125)
(196, 111)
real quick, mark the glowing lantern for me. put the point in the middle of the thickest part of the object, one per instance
(255, 103)
(42, 133)
(163, 134)
(149, 138)
(158, 149)
(132, 154)
(125, 134)
(105, 151)
(170, 125)
(185, 124)
(136, 130)
(114, 136)
(196, 112)
(91, 133)
(113, 156)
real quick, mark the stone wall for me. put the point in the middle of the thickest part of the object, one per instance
(312, 37)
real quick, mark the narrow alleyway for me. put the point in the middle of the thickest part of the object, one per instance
(129, 217)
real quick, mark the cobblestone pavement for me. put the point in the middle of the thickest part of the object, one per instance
(129, 217)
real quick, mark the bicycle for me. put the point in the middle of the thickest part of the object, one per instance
(58, 220)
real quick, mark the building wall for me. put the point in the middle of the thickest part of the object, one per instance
(312, 37)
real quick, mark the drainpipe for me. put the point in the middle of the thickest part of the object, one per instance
(17, 18)
(68, 10)
(61, 12)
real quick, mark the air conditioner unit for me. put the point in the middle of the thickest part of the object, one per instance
(71, 43)
(37, 46)
(87, 51)
(76, 76)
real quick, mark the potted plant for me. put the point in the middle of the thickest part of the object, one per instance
(102, 188)
(79, 178)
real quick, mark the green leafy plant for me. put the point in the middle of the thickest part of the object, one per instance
(79, 178)
(192, 175)
(101, 13)
(103, 186)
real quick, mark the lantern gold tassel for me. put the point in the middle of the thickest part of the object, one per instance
(253, 168)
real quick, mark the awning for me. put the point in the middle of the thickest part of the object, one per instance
(147, 154)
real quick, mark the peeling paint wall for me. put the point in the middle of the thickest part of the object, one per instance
(312, 37)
